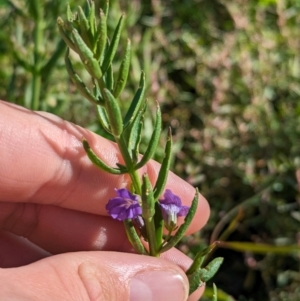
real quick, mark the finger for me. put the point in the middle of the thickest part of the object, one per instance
(72, 231)
(184, 262)
(44, 162)
(95, 276)
(58, 230)
(16, 252)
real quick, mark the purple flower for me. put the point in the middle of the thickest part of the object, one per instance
(125, 205)
(171, 208)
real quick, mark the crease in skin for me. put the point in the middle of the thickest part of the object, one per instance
(60, 197)
(60, 276)
(64, 174)
(12, 179)
(23, 219)
(12, 218)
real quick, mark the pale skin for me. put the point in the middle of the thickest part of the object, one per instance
(51, 194)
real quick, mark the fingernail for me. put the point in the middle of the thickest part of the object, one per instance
(157, 285)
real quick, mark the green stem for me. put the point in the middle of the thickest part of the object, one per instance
(149, 223)
(167, 238)
(36, 79)
(130, 166)
(134, 238)
(36, 89)
(125, 154)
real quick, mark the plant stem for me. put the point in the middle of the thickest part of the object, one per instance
(129, 164)
(149, 223)
(125, 154)
(36, 76)
(133, 237)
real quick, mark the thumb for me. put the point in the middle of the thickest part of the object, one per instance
(95, 276)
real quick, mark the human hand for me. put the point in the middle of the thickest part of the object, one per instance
(51, 194)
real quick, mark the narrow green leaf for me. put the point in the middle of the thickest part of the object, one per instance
(109, 76)
(124, 71)
(88, 6)
(196, 265)
(136, 133)
(152, 145)
(211, 269)
(98, 162)
(259, 248)
(199, 258)
(91, 18)
(106, 7)
(103, 118)
(75, 24)
(97, 93)
(101, 37)
(182, 229)
(134, 238)
(136, 102)
(201, 276)
(164, 169)
(109, 55)
(84, 26)
(148, 205)
(80, 85)
(114, 113)
(222, 296)
(64, 35)
(148, 202)
(215, 294)
(86, 56)
(70, 16)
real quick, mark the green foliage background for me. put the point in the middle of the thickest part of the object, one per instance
(227, 76)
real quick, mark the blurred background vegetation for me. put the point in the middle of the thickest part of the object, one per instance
(227, 76)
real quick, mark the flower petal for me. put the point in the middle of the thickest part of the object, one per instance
(170, 198)
(183, 211)
(171, 208)
(124, 206)
(125, 194)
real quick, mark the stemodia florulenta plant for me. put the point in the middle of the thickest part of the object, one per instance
(149, 213)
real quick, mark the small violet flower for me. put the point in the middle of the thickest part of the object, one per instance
(126, 205)
(171, 208)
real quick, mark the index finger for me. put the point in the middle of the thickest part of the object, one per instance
(42, 161)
